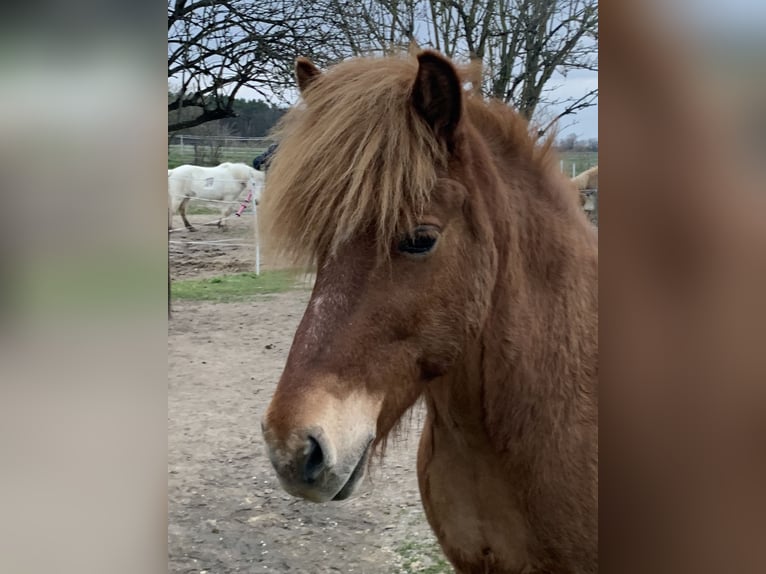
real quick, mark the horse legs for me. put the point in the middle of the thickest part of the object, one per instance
(182, 211)
(225, 212)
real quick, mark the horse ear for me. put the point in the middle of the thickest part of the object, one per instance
(305, 72)
(437, 95)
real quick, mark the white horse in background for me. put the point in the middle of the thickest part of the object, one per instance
(225, 182)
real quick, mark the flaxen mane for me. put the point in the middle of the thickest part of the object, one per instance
(335, 175)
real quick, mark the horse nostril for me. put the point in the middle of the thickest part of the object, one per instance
(314, 461)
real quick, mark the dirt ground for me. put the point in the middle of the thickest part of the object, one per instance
(232, 251)
(226, 511)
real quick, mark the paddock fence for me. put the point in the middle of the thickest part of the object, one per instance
(212, 150)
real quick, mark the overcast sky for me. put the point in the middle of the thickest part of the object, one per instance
(583, 124)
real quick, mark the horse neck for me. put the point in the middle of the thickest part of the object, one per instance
(532, 369)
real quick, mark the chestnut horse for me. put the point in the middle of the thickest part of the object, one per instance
(453, 264)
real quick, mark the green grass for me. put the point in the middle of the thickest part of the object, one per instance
(239, 287)
(197, 209)
(422, 558)
(179, 156)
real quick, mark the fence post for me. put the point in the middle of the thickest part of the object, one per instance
(574, 164)
(257, 242)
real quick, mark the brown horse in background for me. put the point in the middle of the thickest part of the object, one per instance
(453, 264)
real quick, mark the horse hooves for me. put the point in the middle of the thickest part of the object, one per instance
(190, 228)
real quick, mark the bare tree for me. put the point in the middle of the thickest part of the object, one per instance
(541, 37)
(217, 47)
(522, 43)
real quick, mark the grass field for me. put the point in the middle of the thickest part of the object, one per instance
(238, 287)
(582, 160)
(178, 155)
(204, 155)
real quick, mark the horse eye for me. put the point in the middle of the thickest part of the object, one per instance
(420, 241)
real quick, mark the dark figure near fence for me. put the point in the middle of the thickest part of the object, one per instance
(262, 161)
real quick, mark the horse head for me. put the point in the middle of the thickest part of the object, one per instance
(255, 184)
(392, 237)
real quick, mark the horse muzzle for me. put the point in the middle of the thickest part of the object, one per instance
(309, 466)
(320, 453)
